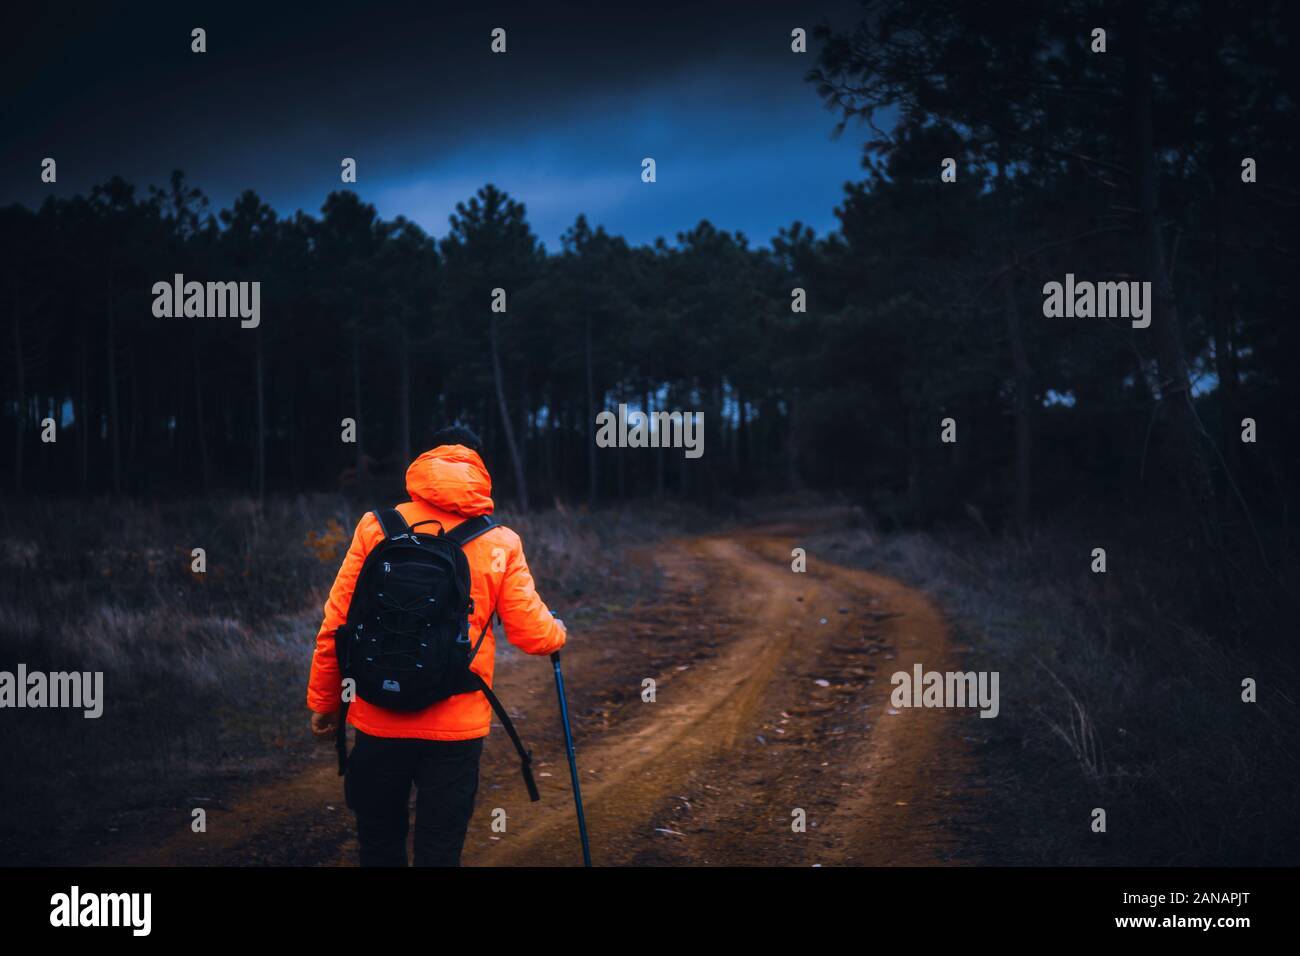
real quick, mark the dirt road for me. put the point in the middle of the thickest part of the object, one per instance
(771, 703)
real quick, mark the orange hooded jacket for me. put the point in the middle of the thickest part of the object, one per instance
(448, 484)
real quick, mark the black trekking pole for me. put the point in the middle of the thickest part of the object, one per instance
(573, 759)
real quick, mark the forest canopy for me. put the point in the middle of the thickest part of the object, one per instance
(1017, 154)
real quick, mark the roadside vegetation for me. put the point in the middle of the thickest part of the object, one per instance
(1112, 697)
(205, 674)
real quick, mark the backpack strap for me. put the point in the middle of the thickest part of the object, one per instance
(463, 534)
(391, 520)
(467, 531)
(525, 757)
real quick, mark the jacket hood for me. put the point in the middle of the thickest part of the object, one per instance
(452, 478)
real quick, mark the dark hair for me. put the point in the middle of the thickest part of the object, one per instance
(458, 435)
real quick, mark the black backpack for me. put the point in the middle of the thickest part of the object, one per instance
(407, 642)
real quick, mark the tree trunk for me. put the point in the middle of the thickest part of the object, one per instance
(549, 439)
(356, 402)
(261, 421)
(516, 461)
(200, 427)
(1188, 453)
(744, 443)
(294, 426)
(792, 441)
(525, 428)
(83, 413)
(659, 463)
(591, 422)
(135, 417)
(1024, 406)
(563, 460)
(645, 408)
(622, 459)
(404, 402)
(684, 463)
(114, 430)
(910, 441)
(1225, 356)
(20, 384)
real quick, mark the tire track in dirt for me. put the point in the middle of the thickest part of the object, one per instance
(711, 772)
(697, 712)
(772, 694)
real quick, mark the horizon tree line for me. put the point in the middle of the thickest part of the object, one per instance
(925, 303)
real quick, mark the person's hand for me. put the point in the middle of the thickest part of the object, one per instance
(324, 725)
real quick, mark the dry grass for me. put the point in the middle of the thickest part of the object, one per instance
(204, 674)
(1111, 699)
(1109, 696)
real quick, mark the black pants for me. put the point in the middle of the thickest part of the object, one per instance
(378, 788)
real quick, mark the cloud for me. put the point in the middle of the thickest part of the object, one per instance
(723, 151)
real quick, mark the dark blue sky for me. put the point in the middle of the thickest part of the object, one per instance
(561, 121)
